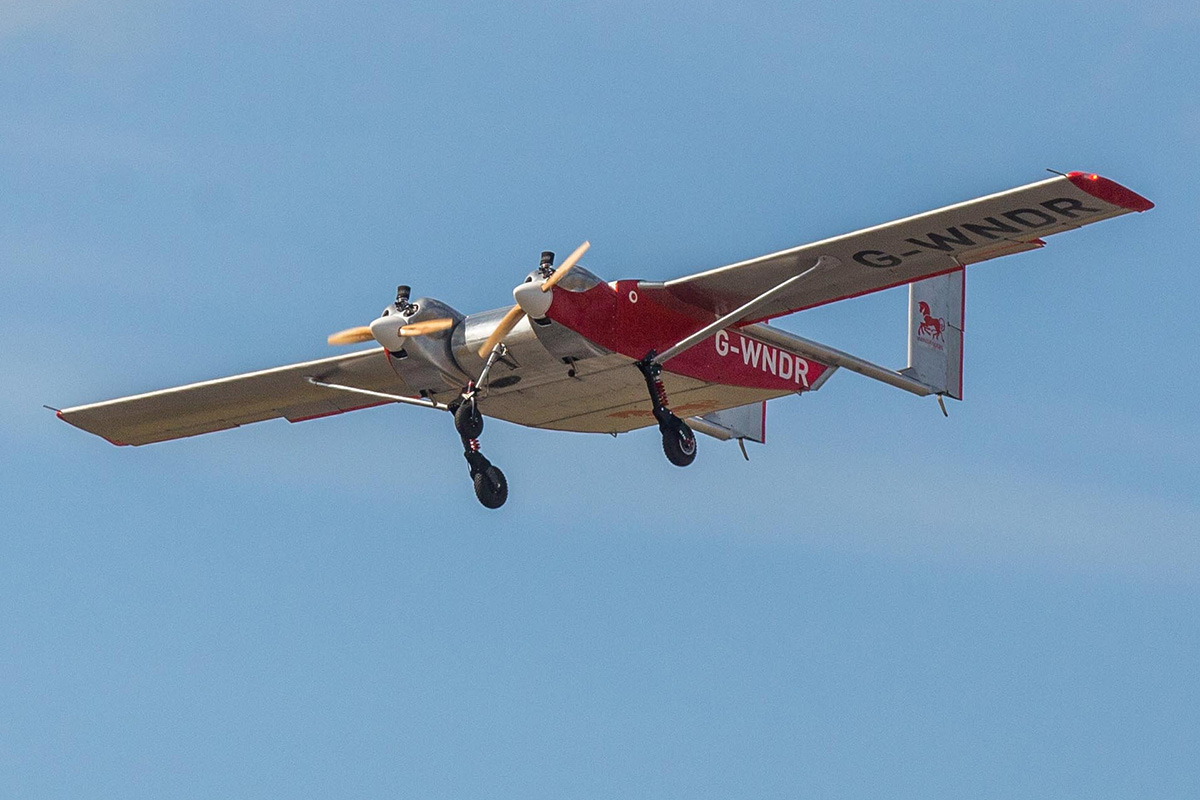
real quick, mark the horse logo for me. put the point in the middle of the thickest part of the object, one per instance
(931, 326)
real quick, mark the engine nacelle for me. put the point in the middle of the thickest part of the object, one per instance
(424, 362)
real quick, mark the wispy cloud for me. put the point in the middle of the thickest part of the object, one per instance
(91, 30)
(22, 16)
(85, 145)
(987, 521)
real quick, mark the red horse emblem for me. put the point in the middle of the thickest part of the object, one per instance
(931, 326)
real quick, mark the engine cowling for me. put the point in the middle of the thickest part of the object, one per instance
(424, 362)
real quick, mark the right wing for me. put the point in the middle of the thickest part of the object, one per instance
(909, 249)
(241, 399)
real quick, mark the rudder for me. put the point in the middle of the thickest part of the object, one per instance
(935, 332)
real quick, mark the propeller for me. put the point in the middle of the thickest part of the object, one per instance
(426, 327)
(351, 336)
(363, 332)
(516, 313)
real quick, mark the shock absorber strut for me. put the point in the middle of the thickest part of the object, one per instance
(661, 390)
(679, 443)
(652, 371)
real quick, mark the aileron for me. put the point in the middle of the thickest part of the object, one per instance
(280, 392)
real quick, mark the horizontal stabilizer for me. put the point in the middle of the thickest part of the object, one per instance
(742, 422)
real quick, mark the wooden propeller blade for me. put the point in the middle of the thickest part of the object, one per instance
(351, 336)
(515, 313)
(503, 329)
(562, 271)
(427, 326)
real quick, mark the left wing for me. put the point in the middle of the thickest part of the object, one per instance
(229, 402)
(909, 249)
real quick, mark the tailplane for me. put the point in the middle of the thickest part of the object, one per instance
(741, 423)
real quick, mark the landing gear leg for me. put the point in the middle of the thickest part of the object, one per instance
(679, 442)
(491, 487)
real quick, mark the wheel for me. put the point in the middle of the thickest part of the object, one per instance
(468, 420)
(680, 445)
(491, 487)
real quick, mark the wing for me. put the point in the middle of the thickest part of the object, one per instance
(238, 400)
(608, 395)
(909, 249)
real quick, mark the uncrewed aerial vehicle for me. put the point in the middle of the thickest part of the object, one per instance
(692, 354)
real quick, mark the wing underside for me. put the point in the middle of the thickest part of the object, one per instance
(608, 395)
(910, 249)
(283, 392)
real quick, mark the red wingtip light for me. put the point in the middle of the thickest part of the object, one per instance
(1109, 191)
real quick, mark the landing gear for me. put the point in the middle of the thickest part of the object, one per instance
(491, 487)
(680, 445)
(467, 419)
(679, 442)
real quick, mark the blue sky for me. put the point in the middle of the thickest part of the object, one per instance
(882, 602)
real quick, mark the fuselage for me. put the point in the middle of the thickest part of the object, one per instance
(593, 327)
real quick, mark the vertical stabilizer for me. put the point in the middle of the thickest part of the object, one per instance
(935, 332)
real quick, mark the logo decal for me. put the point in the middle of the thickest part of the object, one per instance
(931, 327)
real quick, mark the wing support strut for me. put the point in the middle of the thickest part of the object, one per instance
(743, 311)
(395, 398)
(837, 358)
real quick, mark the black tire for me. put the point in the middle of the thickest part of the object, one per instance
(680, 445)
(491, 487)
(468, 421)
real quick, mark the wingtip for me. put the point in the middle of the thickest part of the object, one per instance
(59, 413)
(1109, 191)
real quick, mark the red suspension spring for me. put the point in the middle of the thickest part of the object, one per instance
(473, 445)
(661, 391)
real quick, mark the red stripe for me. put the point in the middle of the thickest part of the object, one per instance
(1110, 192)
(340, 411)
(962, 334)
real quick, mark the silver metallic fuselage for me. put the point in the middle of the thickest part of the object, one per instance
(441, 364)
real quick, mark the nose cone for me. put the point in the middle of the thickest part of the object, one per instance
(386, 331)
(532, 300)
